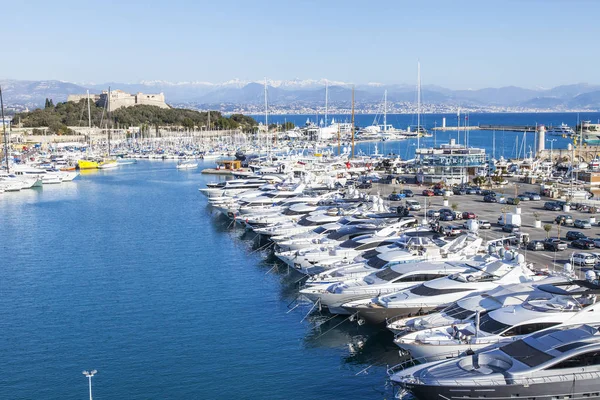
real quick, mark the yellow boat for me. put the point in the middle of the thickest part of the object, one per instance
(87, 164)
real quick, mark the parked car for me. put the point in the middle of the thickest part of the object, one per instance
(488, 193)
(472, 190)
(535, 245)
(523, 197)
(413, 205)
(533, 196)
(468, 215)
(453, 230)
(596, 242)
(484, 224)
(365, 185)
(510, 228)
(396, 196)
(428, 192)
(433, 213)
(552, 206)
(564, 219)
(408, 193)
(511, 200)
(575, 235)
(585, 244)
(447, 216)
(584, 259)
(582, 224)
(490, 199)
(555, 244)
(438, 192)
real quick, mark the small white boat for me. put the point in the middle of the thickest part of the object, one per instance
(187, 165)
(127, 162)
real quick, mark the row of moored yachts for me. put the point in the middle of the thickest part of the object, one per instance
(24, 176)
(476, 319)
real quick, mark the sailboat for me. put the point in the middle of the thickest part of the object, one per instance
(420, 131)
(108, 162)
(88, 163)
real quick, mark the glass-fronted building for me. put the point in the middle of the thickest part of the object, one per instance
(450, 163)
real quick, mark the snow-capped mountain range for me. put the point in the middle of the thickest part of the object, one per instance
(311, 92)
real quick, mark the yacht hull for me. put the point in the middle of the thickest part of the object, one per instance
(87, 164)
(569, 388)
(376, 315)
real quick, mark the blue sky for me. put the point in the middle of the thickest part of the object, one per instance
(461, 44)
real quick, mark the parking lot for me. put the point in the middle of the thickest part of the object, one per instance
(492, 211)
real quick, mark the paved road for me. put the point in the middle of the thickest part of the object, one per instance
(492, 211)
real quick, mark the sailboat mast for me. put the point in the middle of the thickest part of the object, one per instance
(385, 111)
(352, 121)
(89, 112)
(109, 119)
(266, 114)
(339, 142)
(4, 131)
(326, 99)
(418, 104)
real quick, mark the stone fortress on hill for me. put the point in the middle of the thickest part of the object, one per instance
(119, 98)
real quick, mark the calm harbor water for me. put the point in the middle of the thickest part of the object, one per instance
(128, 272)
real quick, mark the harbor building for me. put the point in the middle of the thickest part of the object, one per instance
(451, 163)
(116, 99)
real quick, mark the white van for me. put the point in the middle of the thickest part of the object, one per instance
(584, 259)
(513, 219)
(413, 205)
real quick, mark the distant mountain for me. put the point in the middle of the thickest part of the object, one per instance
(590, 100)
(34, 93)
(312, 92)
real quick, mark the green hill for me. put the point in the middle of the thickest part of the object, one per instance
(58, 118)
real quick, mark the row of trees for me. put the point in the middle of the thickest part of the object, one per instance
(58, 118)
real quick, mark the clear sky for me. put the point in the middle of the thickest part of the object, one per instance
(461, 44)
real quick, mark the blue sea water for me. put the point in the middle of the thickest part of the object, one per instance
(499, 143)
(128, 272)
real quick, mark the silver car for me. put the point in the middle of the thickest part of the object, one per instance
(582, 224)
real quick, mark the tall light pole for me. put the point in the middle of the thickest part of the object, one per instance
(551, 147)
(89, 375)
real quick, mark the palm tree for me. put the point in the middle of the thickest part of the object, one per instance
(547, 228)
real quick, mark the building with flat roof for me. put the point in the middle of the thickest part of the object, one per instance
(116, 99)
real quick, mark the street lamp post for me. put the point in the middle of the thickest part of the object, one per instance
(89, 375)
(551, 147)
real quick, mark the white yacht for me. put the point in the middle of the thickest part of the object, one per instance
(506, 324)
(387, 280)
(560, 130)
(438, 293)
(555, 363)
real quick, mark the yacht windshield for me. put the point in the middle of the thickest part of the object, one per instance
(319, 230)
(490, 325)
(376, 262)
(423, 290)
(349, 244)
(387, 274)
(525, 353)
(457, 312)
